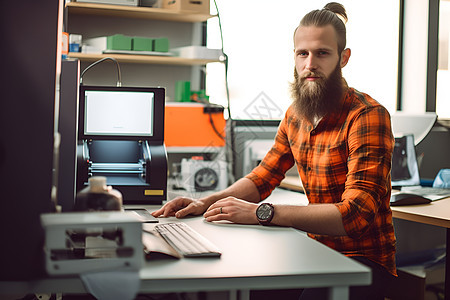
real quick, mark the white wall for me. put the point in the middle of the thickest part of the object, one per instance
(258, 38)
(415, 51)
(443, 77)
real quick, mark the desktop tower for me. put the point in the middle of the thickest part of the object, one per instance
(29, 100)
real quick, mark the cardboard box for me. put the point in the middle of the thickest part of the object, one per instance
(113, 2)
(199, 6)
(188, 125)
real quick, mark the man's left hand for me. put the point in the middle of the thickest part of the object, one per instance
(233, 210)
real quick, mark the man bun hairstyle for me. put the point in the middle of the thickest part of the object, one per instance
(338, 9)
(332, 14)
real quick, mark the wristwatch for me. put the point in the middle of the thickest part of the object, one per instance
(264, 213)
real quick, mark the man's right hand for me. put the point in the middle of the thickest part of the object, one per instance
(181, 207)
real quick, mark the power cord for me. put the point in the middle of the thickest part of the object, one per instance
(230, 152)
(119, 75)
(225, 60)
(209, 109)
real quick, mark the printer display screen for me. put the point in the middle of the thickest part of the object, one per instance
(118, 113)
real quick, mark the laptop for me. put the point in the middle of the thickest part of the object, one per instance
(405, 171)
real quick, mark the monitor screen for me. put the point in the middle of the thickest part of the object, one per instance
(126, 112)
(118, 113)
(405, 170)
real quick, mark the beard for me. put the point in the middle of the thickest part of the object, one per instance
(315, 99)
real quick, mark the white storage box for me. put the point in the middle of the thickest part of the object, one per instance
(198, 52)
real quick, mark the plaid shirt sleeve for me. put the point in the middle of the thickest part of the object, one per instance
(370, 146)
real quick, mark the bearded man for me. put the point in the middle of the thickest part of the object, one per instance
(341, 142)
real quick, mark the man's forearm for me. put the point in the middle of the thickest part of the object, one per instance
(243, 189)
(314, 218)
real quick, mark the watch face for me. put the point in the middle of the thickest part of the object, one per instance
(264, 211)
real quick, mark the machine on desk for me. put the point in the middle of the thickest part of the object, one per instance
(80, 242)
(121, 137)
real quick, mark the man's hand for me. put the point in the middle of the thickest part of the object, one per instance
(233, 210)
(181, 207)
(236, 210)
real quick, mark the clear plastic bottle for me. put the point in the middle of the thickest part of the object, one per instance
(97, 196)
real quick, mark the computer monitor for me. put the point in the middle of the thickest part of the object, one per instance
(405, 170)
(128, 113)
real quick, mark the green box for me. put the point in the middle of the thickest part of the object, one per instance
(142, 44)
(161, 45)
(118, 42)
(183, 91)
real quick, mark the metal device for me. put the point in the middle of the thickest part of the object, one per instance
(80, 242)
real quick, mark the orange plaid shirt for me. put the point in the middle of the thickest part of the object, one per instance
(346, 160)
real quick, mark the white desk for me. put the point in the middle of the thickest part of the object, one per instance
(254, 257)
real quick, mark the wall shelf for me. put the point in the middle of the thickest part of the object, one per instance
(144, 59)
(136, 12)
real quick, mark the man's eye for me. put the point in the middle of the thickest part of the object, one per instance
(302, 53)
(322, 53)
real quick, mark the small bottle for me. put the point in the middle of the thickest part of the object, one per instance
(98, 196)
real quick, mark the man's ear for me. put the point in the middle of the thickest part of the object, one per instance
(345, 56)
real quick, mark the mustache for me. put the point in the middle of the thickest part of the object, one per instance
(312, 74)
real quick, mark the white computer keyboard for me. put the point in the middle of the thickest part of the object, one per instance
(186, 241)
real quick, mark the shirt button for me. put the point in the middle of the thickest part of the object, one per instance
(313, 132)
(309, 168)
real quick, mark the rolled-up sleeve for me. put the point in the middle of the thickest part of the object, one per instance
(367, 187)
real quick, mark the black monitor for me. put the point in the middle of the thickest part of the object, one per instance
(405, 170)
(125, 113)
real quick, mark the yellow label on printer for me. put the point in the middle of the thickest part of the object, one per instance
(153, 192)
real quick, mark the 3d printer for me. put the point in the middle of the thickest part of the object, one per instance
(121, 137)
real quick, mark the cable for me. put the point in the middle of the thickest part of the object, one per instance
(209, 112)
(119, 75)
(216, 131)
(230, 156)
(225, 62)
